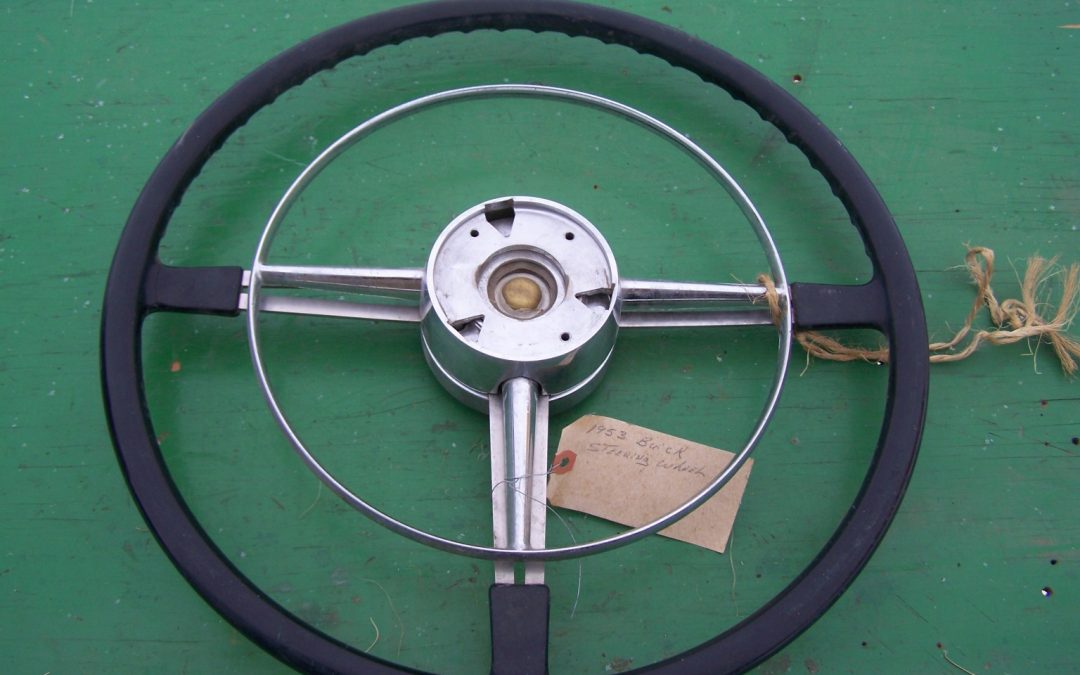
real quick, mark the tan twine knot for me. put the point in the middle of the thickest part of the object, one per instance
(1014, 319)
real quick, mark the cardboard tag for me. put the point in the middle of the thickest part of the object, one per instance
(633, 475)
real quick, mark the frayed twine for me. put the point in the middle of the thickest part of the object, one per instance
(1015, 319)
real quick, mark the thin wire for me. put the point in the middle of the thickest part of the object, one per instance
(515, 479)
(393, 608)
(569, 531)
(945, 653)
(376, 640)
(731, 559)
(318, 496)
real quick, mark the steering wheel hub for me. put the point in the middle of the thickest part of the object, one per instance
(519, 287)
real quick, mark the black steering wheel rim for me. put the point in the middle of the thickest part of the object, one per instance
(890, 303)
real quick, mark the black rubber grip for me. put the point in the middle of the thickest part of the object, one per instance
(198, 290)
(519, 629)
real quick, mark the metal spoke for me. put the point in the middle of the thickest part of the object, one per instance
(389, 283)
(519, 429)
(280, 304)
(695, 319)
(673, 304)
(674, 293)
(401, 284)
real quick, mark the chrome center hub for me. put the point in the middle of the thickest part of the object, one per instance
(519, 287)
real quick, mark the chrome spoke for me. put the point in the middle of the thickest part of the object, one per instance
(519, 429)
(396, 284)
(757, 317)
(387, 283)
(674, 304)
(639, 292)
(341, 309)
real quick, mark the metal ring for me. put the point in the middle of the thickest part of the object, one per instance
(359, 132)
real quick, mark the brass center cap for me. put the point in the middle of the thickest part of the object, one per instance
(521, 293)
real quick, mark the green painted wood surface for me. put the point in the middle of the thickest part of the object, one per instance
(965, 116)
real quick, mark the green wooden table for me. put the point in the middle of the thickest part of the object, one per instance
(964, 115)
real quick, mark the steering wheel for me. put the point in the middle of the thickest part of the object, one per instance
(518, 306)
